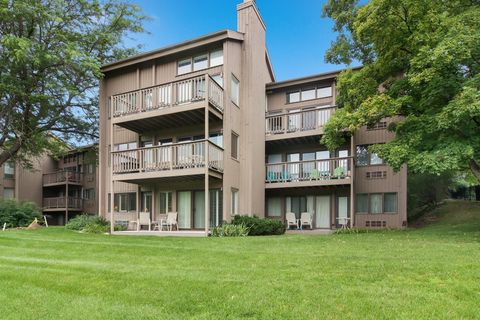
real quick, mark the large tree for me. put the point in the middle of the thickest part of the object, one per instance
(51, 52)
(421, 61)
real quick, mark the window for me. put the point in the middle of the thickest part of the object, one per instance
(89, 194)
(378, 126)
(234, 202)
(216, 58)
(375, 159)
(218, 79)
(200, 62)
(217, 138)
(365, 157)
(274, 158)
(308, 94)
(362, 203)
(9, 170)
(274, 207)
(125, 202)
(235, 91)
(293, 97)
(376, 205)
(8, 193)
(324, 92)
(184, 66)
(165, 201)
(390, 202)
(125, 146)
(234, 151)
(90, 168)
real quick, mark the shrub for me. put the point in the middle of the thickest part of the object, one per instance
(18, 214)
(120, 227)
(95, 228)
(230, 230)
(88, 223)
(260, 227)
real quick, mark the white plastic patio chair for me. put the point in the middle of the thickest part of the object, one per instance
(144, 220)
(291, 220)
(306, 219)
(170, 221)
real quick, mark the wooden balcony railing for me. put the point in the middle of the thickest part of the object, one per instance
(62, 176)
(168, 157)
(168, 95)
(298, 121)
(335, 168)
(61, 203)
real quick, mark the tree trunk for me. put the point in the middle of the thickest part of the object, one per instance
(8, 154)
(475, 167)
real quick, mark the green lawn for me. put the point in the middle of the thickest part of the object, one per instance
(431, 273)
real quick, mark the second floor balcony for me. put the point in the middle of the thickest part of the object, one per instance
(296, 123)
(167, 99)
(332, 171)
(62, 177)
(62, 203)
(186, 158)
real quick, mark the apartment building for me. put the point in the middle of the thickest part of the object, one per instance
(202, 128)
(70, 187)
(62, 187)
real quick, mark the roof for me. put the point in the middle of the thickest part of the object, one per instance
(307, 79)
(172, 49)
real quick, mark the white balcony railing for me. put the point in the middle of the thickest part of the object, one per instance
(168, 157)
(168, 95)
(335, 168)
(298, 121)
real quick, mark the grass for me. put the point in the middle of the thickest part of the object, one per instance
(428, 273)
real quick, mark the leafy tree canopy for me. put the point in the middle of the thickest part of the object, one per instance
(51, 52)
(421, 61)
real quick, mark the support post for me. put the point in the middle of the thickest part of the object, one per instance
(207, 191)
(66, 199)
(352, 185)
(112, 185)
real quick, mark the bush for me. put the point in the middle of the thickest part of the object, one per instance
(230, 230)
(88, 223)
(120, 227)
(260, 227)
(96, 228)
(18, 214)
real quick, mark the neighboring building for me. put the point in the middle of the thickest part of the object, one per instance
(50, 181)
(201, 128)
(71, 187)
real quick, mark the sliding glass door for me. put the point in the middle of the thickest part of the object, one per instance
(191, 209)
(184, 208)
(322, 212)
(199, 210)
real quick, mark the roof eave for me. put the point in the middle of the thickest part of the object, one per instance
(173, 49)
(307, 79)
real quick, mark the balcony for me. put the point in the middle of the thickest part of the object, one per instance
(60, 203)
(335, 171)
(167, 161)
(62, 177)
(297, 124)
(176, 102)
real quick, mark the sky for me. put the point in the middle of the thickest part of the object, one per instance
(297, 35)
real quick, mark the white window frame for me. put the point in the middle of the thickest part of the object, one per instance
(234, 200)
(235, 90)
(184, 60)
